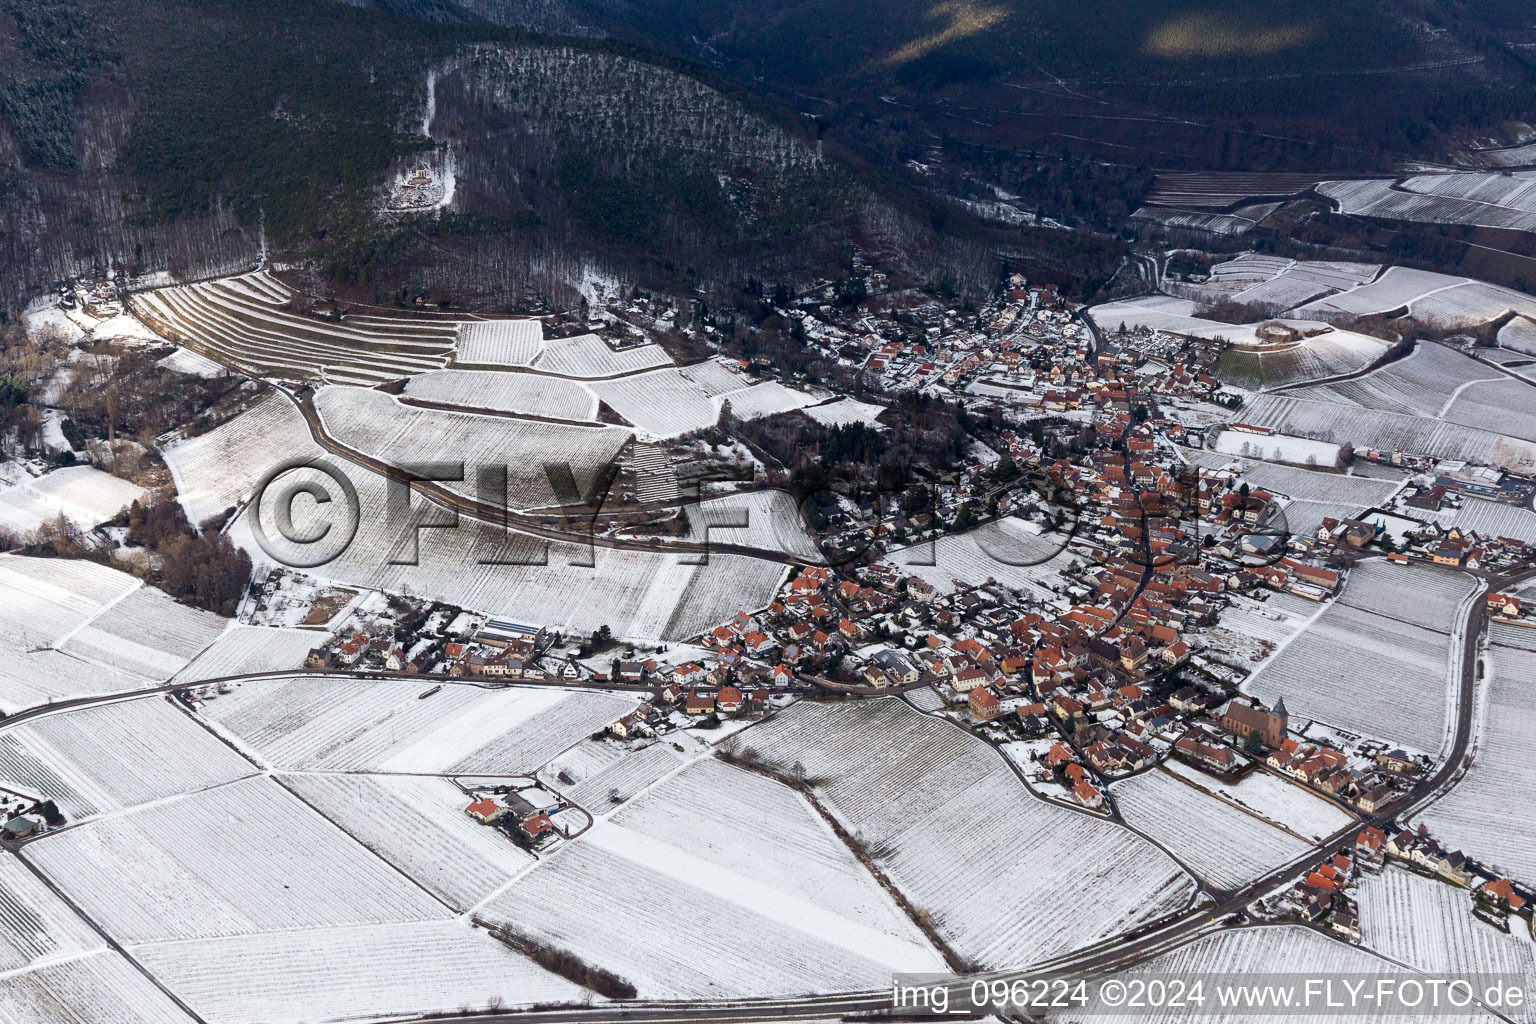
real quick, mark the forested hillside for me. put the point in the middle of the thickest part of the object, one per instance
(583, 143)
(191, 136)
(1242, 83)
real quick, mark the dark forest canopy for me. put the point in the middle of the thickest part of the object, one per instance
(184, 135)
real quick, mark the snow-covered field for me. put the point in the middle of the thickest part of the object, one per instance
(673, 401)
(108, 623)
(44, 604)
(100, 759)
(1505, 406)
(242, 321)
(1275, 800)
(1006, 550)
(37, 926)
(1279, 447)
(1469, 305)
(220, 469)
(662, 403)
(380, 426)
(1162, 313)
(1428, 926)
(1325, 355)
(588, 356)
(377, 971)
(1421, 385)
(845, 411)
(362, 725)
(147, 634)
(767, 399)
(948, 821)
(417, 824)
(101, 988)
(766, 519)
(1370, 428)
(85, 495)
(622, 777)
(663, 891)
(1519, 335)
(1394, 289)
(527, 394)
(1273, 949)
(235, 860)
(240, 650)
(184, 360)
(1477, 815)
(499, 342)
(1486, 198)
(1295, 283)
(639, 594)
(1392, 624)
(238, 897)
(1223, 844)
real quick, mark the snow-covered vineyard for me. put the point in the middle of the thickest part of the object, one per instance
(1223, 844)
(242, 321)
(569, 587)
(1501, 774)
(710, 854)
(1400, 628)
(86, 495)
(1385, 431)
(74, 628)
(348, 725)
(382, 427)
(949, 819)
(245, 322)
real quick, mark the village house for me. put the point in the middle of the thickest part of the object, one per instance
(984, 704)
(485, 810)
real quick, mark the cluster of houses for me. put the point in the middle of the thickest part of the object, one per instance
(1495, 899)
(1026, 349)
(500, 650)
(1461, 548)
(1367, 784)
(532, 814)
(1320, 895)
(1323, 895)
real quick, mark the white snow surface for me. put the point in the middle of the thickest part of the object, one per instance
(949, 819)
(86, 496)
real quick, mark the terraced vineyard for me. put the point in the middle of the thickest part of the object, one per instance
(241, 321)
